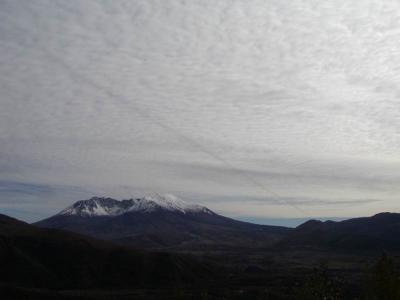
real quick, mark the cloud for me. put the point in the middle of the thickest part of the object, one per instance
(7, 187)
(203, 99)
(32, 201)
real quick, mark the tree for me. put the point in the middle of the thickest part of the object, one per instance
(318, 286)
(383, 282)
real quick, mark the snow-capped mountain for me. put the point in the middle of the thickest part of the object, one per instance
(98, 206)
(160, 222)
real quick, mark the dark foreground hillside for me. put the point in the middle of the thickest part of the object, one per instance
(38, 263)
(38, 258)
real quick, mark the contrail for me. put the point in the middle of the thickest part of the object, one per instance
(192, 142)
(163, 124)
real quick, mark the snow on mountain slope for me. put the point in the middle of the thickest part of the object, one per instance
(98, 206)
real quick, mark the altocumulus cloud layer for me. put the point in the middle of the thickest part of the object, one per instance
(253, 108)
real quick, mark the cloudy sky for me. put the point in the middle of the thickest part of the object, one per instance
(258, 109)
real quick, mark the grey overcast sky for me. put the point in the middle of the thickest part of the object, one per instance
(254, 108)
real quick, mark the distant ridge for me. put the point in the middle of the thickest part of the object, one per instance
(376, 233)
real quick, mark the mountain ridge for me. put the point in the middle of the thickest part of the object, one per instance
(168, 223)
(378, 232)
(106, 206)
(160, 222)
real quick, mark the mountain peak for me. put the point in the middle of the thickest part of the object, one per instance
(104, 206)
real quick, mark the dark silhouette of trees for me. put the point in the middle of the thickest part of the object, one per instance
(383, 281)
(319, 286)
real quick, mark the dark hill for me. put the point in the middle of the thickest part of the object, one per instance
(49, 258)
(377, 233)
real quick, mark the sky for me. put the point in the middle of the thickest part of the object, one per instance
(258, 109)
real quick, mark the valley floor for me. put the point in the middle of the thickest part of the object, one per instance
(256, 275)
